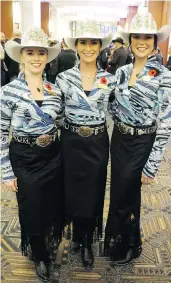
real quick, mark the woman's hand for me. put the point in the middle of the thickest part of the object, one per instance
(147, 180)
(12, 185)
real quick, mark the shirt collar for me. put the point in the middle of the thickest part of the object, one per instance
(151, 63)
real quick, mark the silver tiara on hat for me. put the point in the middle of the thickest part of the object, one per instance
(143, 21)
(34, 36)
(88, 28)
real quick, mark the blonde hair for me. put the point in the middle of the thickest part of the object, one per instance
(2, 53)
(16, 33)
(21, 67)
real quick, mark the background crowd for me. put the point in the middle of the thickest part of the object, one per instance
(116, 55)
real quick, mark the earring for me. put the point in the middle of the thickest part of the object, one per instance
(22, 67)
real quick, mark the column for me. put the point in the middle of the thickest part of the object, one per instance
(36, 13)
(132, 10)
(45, 17)
(53, 23)
(161, 12)
(6, 18)
(122, 22)
(30, 14)
(59, 24)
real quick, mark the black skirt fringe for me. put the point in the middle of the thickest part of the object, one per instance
(40, 192)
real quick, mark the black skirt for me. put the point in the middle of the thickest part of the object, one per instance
(129, 154)
(85, 170)
(40, 190)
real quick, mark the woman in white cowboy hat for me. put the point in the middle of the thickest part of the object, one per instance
(142, 97)
(31, 163)
(84, 138)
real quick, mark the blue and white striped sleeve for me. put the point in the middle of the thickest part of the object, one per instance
(6, 115)
(164, 128)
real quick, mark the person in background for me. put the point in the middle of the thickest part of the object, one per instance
(2, 39)
(168, 64)
(31, 163)
(4, 70)
(109, 57)
(51, 68)
(84, 138)
(66, 59)
(158, 55)
(119, 56)
(12, 65)
(103, 58)
(141, 109)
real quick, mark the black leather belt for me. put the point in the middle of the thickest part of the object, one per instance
(42, 140)
(126, 129)
(85, 131)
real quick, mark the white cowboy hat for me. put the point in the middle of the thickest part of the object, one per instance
(33, 37)
(144, 23)
(88, 30)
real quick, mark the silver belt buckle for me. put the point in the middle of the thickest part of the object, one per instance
(141, 132)
(123, 128)
(66, 126)
(85, 131)
(43, 140)
(131, 131)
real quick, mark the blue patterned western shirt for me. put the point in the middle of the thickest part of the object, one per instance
(19, 110)
(148, 101)
(81, 109)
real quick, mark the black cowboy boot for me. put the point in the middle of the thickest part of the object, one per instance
(131, 253)
(118, 248)
(41, 270)
(133, 247)
(87, 256)
(40, 255)
(76, 236)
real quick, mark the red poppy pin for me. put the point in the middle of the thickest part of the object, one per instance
(103, 81)
(153, 72)
(48, 86)
(49, 89)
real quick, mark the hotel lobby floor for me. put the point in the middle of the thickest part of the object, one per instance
(153, 266)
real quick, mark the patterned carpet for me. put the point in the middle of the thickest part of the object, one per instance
(153, 266)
